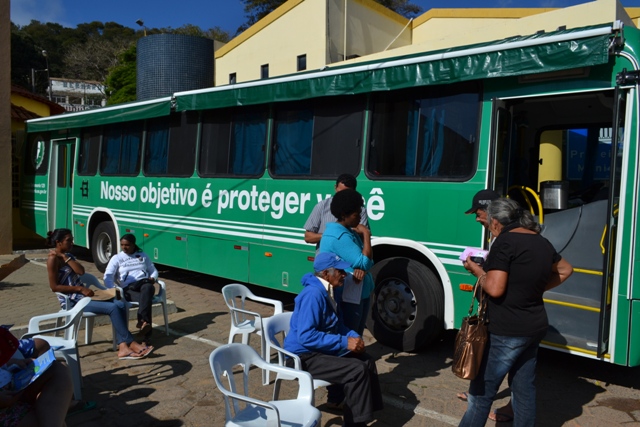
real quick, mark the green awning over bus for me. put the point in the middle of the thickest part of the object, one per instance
(103, 116)
(514, 56)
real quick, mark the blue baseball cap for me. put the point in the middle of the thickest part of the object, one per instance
(328, 260)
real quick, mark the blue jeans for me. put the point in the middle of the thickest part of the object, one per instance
(502, 355)
(354, 316)
(117, 312)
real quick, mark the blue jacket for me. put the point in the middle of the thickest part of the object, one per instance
(315, 326)
(348, 245)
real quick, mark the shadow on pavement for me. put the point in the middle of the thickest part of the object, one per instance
(121, 401)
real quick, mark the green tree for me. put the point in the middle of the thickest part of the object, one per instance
(121, 81)
(255, 10)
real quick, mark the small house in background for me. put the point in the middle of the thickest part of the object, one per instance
(25, 105)
(77, 95)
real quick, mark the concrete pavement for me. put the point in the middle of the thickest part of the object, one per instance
(174, 386)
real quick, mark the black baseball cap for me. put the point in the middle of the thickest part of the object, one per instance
(482, 199)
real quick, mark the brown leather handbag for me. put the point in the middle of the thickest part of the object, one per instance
(471, 339)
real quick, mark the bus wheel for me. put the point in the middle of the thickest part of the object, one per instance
(407, 305)
(103, 244)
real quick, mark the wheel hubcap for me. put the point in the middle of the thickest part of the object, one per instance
(396, 304)
(104, 248)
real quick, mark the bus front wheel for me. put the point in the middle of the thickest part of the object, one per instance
(103, 244)
(407, 305)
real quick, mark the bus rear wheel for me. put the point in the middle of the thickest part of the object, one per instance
(103, 244)
(407, 305)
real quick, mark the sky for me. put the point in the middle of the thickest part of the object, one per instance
(226, 14)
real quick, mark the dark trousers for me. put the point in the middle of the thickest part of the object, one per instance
(358, 375)
(141, 292)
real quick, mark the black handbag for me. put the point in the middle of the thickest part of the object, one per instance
(471, 339)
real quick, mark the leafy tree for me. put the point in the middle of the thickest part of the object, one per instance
(121, 82)
(255, 10)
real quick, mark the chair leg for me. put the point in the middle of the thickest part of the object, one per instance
(276, 389)
(88, 329)
(166, 318)
(76, 373)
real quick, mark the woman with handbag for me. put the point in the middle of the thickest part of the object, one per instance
(520, 267)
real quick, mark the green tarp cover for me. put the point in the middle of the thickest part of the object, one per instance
(509, 57)
(103, 116)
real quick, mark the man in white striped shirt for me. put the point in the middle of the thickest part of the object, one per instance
(321, 214)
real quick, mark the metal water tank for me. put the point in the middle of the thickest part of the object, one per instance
(169, 63)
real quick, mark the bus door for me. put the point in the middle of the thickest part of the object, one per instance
(61, 181)
(555, 155)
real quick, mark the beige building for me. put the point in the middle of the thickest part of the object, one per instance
(311, 34)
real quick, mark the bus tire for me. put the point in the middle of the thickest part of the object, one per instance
(103, 244)
(407, 304)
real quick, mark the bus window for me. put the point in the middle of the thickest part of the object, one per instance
(170, 147)
(121, 149)
(425, 134)
(88, 152)
(233, 142)
(318, 140)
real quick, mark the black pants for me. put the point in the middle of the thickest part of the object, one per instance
(359, 376)
(141, 292)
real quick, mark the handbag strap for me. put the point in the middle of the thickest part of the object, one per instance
(482, 302)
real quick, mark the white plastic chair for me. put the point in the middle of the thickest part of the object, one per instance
(89, 317)
(279, 324)
(159, 298)
(245, 322)
(298, 412)
(67, 345)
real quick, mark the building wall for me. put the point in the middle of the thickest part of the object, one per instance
(32, 105)
(441, 28)
(283, 35)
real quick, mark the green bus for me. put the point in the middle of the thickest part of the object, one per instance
(221, 180)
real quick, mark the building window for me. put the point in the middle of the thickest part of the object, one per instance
(302, 62)
(232, 78)
(264, 71)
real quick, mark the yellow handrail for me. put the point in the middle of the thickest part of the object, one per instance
(523, 190)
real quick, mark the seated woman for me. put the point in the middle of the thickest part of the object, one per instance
(43, 402)
(135, 273)
(64, 277)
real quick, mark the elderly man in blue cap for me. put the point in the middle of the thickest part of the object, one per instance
(328, 350)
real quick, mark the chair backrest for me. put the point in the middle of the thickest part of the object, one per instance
(277, 324)
(91, 280)
(234, 296)
(224, 359)
(71, 321)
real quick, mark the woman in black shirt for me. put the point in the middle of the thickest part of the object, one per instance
(520, 267)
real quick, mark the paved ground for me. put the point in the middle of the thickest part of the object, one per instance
(174, 386)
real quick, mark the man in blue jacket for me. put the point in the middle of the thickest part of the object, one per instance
(327, 349)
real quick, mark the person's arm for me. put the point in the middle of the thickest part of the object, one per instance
(151, 269)
(110, 272)
(53, 265)
(312, 225)
(309, 334)
(493, 282)
(560, 271)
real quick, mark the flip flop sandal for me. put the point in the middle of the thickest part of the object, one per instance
(81, 407)
(133, 356)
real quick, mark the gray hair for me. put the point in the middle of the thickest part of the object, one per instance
(507, 211)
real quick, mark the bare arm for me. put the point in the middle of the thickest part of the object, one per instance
(494, 283)
(54, 263)
(311, 237)
(560, 272)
